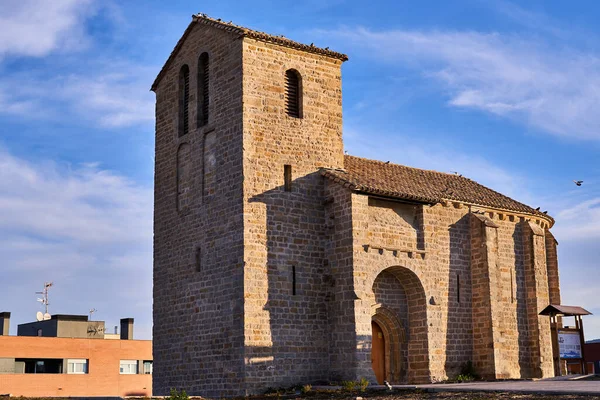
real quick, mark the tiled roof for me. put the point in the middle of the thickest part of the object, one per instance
(567, 311)
(413, 184)
(245, 32)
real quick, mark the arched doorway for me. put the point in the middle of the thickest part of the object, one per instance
(378, 352)
(400, 311)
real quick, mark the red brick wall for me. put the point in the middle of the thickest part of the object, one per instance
(103, 378)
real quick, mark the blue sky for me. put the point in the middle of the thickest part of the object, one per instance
(506, 95)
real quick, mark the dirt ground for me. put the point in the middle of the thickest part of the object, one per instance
(395, 395)
(423, 395)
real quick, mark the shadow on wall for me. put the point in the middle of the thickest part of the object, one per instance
(392, 316)
(297, 285)
(526, 347)
(459, 328)
(136, 394)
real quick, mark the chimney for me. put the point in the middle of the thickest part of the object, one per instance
(4, 323)
(127, 329)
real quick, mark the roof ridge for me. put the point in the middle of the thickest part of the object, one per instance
(259, 35)
(408, 166)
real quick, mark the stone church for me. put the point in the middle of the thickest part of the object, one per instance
(280, 260)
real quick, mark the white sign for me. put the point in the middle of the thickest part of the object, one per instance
(569, 344)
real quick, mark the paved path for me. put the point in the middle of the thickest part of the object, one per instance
(544, 386)
(540, 386)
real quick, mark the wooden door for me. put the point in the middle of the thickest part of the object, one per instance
(378, 352)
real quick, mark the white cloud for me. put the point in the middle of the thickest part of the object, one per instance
(86, 228)
(114, 95)
(553, 88)
(108, 93)
(579, 221)
(34, 28)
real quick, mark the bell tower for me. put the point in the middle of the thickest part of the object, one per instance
(244, 122)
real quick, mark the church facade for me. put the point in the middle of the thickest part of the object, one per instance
(279, 260)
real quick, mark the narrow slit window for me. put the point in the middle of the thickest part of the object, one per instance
(198, 259)
(203, 97)
(458, 288)
(287, 178)
(512, 288)
(184, 100)
(293, 280)
(293, 93)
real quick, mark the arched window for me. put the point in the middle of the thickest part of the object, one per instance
(203, 89)
(293, 93)
(184, 100)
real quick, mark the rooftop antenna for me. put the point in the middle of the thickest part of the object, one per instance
(92, 311)
(44, 300)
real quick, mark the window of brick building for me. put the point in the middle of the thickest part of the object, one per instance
(203, 97)
(293, 93)
(128, 367)
(148, 367)
(77, 366)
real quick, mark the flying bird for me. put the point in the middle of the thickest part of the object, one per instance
(578, 183)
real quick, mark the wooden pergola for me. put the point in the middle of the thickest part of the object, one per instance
(556, 311)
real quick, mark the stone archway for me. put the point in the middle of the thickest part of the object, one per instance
(395, 343)
(400, 310)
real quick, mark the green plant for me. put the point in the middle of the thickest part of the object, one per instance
(465, 378)
(349, 386)
(175, 395)
(305, 389)
(469, 369)
(363, 384)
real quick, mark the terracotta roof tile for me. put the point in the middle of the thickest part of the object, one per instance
(413, 184)
(245, 32)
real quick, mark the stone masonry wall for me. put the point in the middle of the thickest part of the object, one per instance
(286, 329)
(443, 268)
(552, 266)
(340, 282)
(198, 236)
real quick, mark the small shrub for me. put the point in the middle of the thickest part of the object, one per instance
(175, 395)
(349, 386)
(270, 390)
(465, 378)
(468, 369)
(363, 384)
(305, 389)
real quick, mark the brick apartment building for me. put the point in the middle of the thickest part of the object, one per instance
(281, 260)
(69, 356)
